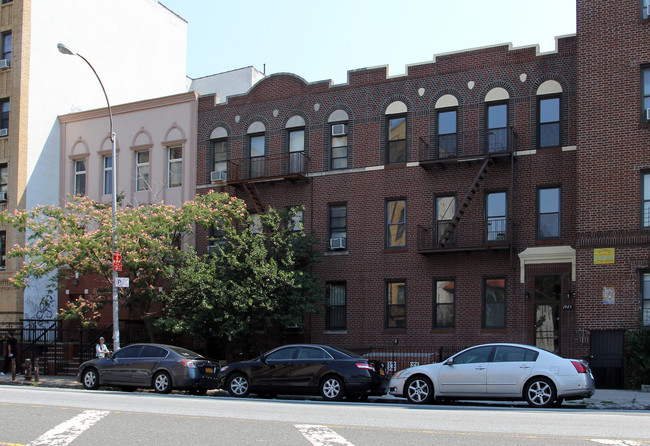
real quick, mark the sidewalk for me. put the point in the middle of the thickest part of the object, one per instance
(608, 399)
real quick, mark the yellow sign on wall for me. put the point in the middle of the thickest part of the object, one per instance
(603, 256)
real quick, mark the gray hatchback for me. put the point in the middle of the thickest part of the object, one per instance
(157, 366)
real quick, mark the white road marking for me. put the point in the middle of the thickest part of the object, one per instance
(617, 442)
(66, 432)
(322, 435)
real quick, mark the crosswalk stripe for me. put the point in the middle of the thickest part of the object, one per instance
(66, 432)
(616, 442)
(322, 435)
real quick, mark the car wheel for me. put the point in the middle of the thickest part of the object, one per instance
(238, 385)
(90, 379)
(540, 392)
(419, 390)
(162, 382)
(332, 389)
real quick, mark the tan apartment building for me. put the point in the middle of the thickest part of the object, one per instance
(37, 84)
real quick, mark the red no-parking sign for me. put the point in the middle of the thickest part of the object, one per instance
(117, 261)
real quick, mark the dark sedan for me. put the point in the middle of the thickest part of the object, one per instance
(304, 369)
(157, 366)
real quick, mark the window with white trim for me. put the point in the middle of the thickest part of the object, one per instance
(142, 171)
(175, 167)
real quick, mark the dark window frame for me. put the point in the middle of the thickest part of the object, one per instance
(329, 308)
(389, 225)
(341, 230)
(504, 303)
(558, 123)
(392, 321)
(392, 145)
(4, 177)
(332, 138)
(438, 223)
(645, 92)
(645, 200)
(6, 54)
(491, 234)
(214, 158)
(539, 213)
(255, 169)
(436, 305)
(3, 250)
(5, 113)
(444, 141)
(496, 146)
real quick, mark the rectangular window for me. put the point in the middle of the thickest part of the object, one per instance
(494, 303)
(495, 214)
(3, 249)
(339, 145)
(80, 177)
(338, 223)
(645, 304)
(257, 143)
(447, 133)
(644, 9)
(497, 128)
(6, 46)
(396, 304)
(548, 213)
(175, 167)
(219, 160)
(445, 210)
(645, 79)
(4, 178)
(4, 115)
(396, 140)
(548, 130)
(296, 223)
(645, 217)
(296, 151)
(108, 175)
(444, 305)
(142, 171)
(335, 315)
(396, 223)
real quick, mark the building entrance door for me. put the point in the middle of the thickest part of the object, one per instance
(548, 300)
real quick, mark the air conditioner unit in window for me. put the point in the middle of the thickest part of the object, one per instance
(338, 129)
(218, 176)
(4, 132)
(5, 63)
(338, 243)
(3, 197)
(647, 12)
(213, 249)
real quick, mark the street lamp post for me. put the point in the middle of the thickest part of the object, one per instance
(116, 320)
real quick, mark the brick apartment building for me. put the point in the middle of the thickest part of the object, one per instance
(444, 197)
(495, 194)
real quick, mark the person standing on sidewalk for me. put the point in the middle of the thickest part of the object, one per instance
(10, 353)
(102, 349)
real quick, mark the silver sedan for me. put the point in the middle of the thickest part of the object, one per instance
(497, 372)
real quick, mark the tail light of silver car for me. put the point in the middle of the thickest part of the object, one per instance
(580, 367)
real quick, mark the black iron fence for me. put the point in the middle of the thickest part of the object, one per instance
(398, 358)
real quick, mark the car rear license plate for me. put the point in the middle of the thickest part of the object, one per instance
(209, 370)
(381, 372)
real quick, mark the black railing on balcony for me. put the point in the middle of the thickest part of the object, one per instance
(478, 143)
(287, 165)
(468, 235)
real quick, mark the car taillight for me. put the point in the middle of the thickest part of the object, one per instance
(365, 366)
(580, 367)
(189, 363)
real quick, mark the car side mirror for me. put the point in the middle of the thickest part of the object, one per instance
(263, 358)
(449, 362)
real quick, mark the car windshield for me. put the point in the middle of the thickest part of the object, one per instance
(184, 352)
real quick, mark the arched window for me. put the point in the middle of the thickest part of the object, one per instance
(548, 114)
(496, 111)
(338, 126)
(396, 133)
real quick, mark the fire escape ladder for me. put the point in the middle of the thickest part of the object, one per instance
(476, 184)
(254, 195)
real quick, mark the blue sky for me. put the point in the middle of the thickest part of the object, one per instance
(320, 40)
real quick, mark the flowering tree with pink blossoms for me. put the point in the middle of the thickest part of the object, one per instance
(77, 239)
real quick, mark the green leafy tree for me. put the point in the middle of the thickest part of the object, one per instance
(77, 238)
(260, 277)
(638, 353)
